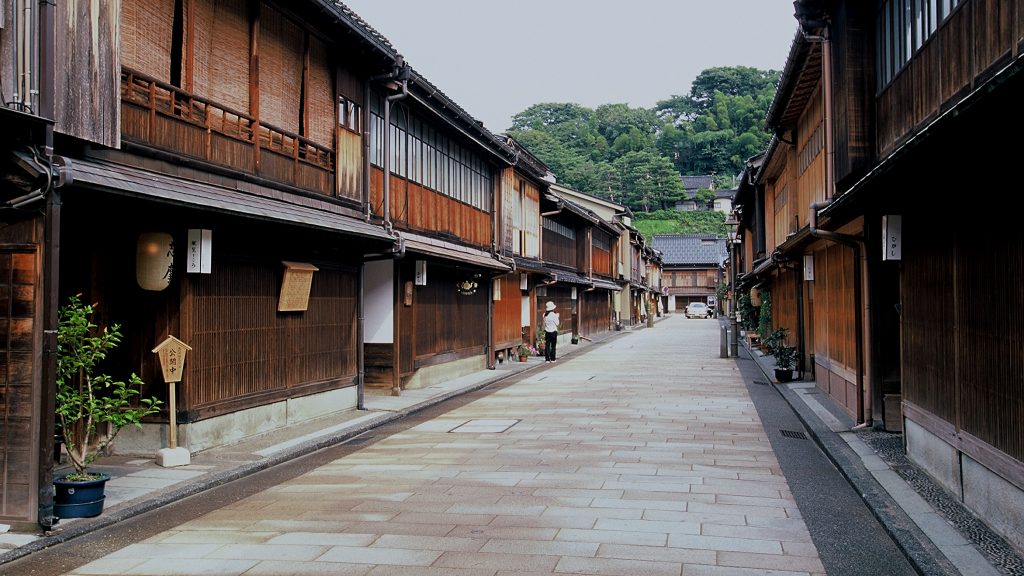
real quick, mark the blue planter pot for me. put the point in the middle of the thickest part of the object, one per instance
(79, 498)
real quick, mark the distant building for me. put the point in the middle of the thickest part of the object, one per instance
(693, 184)
(692, 267)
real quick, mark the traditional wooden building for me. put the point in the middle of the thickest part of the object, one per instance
(519, 240)
(592, 288)
(607, 267)
(214, 171)
(905, 315)
(693, 268)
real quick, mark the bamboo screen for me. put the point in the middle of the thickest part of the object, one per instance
(221, 52)
(320, 109)
(146, 27)
(511, 212)
(281, 60)
(531, 221)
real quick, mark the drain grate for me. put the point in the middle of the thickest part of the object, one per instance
(760, 382)
(793, 434)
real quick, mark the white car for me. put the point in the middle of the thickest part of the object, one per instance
(698, 310)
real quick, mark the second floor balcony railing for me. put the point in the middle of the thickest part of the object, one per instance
(167, 118)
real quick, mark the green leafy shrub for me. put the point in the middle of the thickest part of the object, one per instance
(89, 402)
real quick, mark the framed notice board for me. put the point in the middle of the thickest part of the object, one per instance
(298, 279)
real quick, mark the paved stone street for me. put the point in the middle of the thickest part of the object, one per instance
(644, 455)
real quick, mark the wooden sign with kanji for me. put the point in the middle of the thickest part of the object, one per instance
(172, 358)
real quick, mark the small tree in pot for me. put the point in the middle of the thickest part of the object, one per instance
(785, 362)
(91, 407)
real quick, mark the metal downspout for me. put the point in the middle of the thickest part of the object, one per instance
(386, 208)
(367, 209)
(51, 269)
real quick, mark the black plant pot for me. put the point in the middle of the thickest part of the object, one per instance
(79, 498)
(783, 374)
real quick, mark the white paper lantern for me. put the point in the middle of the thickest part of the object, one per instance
(154, 260)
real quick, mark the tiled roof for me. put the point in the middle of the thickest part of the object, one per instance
(691, 249)
(697, 182)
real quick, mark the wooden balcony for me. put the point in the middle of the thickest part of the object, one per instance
(167, 118)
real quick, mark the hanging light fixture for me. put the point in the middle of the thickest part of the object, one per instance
(468, 286)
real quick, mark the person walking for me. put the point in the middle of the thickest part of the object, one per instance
(550, 331)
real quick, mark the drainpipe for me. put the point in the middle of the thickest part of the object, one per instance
(403, 76)
(50, 265)
(367, 209)
(855, 244)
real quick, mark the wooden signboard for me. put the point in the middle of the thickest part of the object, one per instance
(298, 279)
(172, 358)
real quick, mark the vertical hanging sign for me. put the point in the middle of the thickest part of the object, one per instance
(199, 251)
(892, 228)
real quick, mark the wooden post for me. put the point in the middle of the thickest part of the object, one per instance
(172, 359)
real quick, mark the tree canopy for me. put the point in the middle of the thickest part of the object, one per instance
(635, 156)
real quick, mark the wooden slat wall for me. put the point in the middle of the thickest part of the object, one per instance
(447, 322)
(962, 52)
(806, 165)
(508, 330)
(19, 421)
(561, 250)
(87, 73)
(281, 57)
(989, 366)
(245, 353)
(930, 378)
(602, 257)
(598, 313)
(835, 352)
(852, 89)
(561, 295)
(784, 300)
(414, 207)
(221, 52)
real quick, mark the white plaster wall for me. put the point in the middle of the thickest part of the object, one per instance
(378, 302)
(936, 457)
(998, 502)
(232, 428)
(439, 373)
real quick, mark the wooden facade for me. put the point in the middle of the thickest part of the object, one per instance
(883, 295)
(261, 136)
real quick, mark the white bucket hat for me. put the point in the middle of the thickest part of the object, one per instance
(549, 306)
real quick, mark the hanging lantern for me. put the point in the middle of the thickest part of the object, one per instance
(154, 260)
(755, 297)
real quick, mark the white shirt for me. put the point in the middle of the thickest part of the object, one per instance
(551, 322)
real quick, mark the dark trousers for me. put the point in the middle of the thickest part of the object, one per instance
(550, 340)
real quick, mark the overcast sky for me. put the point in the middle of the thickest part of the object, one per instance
(496, 58)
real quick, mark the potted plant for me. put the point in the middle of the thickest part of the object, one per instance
(91, 406)
(785, 362)
(524, 351)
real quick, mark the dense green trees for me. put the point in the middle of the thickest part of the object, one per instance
(635, 155)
